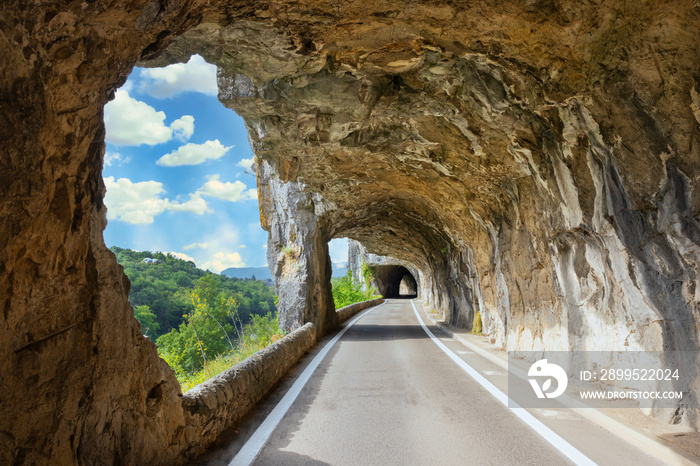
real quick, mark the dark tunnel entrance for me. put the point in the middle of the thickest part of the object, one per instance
(395, 281)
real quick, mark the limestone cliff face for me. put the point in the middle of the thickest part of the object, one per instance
(537, 161)
(553, 191)
(79, 382)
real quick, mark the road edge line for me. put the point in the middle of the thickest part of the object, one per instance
(251, 449)
(647, 444)
(535, 424)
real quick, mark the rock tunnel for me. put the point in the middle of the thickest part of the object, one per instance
(534, 161)
(394, 281)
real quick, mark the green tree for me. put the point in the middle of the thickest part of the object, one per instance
(195, 316)
(211, 329)
(147, 319)
(165, 288)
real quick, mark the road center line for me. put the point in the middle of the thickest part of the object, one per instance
(247, 454)
(542, 430)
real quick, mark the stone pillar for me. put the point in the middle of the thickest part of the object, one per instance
(297, 251)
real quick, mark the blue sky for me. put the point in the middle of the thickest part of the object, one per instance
(178, 171)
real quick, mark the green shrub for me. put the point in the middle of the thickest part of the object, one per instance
(147, 319)
(347, 291)
(476, 325)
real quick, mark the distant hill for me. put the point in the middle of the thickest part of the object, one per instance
(163, 283)
(263, 273)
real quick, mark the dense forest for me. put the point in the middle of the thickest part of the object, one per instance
(165, 282)
(203, 322)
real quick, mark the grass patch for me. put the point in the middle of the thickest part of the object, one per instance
(218, 365)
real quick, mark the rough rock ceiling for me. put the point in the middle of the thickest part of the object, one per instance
(534, 160)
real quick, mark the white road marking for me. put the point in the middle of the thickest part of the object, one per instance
(542, 430)
(465, 352)
(247, 454)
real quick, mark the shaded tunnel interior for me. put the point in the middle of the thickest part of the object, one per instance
(395, 281)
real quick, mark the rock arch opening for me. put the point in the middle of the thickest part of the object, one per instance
(408, 288)
(184, 191)
(395, 281)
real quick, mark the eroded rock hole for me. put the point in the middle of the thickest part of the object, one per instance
(407, 286)
(183, 215)
(395, 281)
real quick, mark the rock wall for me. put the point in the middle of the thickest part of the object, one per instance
(541, 171)
(536, 161)
(79, 381)
(408, 286)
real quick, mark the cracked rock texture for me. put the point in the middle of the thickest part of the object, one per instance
(537, 161)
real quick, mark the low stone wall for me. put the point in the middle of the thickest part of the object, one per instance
(344, 313)
(215, 405)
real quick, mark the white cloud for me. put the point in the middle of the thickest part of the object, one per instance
(139, 203)
(221, 245)
(221, 261)
(242, 246)
(180, 255)
(227, 191)
(196, 205)
(194, 154)
(131, 122)
(115, 158)
(183, 127)
(196, 76)
(246, 163)
(196, 245)
(133, 202)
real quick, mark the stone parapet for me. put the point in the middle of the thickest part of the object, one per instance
(344, 313)
(217, 404)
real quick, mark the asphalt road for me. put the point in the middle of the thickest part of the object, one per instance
(387, 395)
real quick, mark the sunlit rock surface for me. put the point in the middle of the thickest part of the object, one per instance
(535, 161)
(540, 172)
